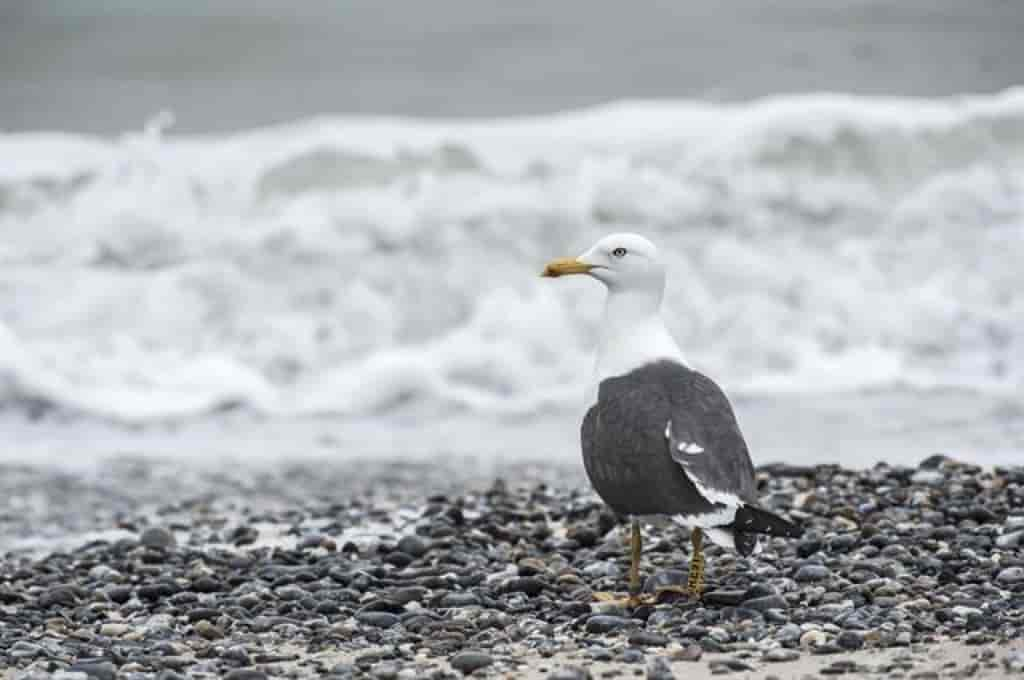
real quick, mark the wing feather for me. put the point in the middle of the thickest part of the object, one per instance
(705, 440)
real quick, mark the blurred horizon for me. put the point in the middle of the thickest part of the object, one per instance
(108, 66)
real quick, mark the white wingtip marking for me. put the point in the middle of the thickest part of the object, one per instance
(715, 496)
(668, 430)
(687, 447)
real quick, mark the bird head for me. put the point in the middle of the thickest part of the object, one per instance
(622, 262)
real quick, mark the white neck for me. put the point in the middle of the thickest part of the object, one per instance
(632, 334)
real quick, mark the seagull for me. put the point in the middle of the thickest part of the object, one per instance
(659, 438)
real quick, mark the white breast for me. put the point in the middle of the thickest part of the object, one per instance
(627, 344)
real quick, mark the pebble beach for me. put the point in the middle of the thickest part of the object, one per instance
(145, 569)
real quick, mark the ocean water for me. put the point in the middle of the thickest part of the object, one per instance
(848, 268)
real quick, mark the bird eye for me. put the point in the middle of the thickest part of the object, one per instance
(619, 252)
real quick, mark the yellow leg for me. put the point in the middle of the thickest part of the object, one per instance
(635, 598)
(695, 583)
(637, 547)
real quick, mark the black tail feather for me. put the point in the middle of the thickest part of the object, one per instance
(755, 520)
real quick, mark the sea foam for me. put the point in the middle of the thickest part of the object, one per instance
(360, 265)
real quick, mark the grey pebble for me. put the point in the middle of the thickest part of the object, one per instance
(812, 572)
(723, 598)
(468, 661)
(761, 604)
(928, 477)
(849, 639)
(659, 669)
(25, 650)
(245, 674)
(602, 623)
(645, 638)
(158, 538)
(98, 670)
(60, 596)
(378, 619)
(781, 654)
(1011, 575)
(460, 600)
(570, 673)
(1011, 539)
(385, 670)
(413, 546)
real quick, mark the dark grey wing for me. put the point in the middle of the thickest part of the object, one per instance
(624, 451)
(705, 440)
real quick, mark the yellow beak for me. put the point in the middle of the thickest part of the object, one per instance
(566, 265)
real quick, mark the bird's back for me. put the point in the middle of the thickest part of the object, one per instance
(626, 451)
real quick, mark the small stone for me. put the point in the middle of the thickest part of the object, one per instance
(245, 674)
(726, 665)
(584, 535)
(291, 593)
(378, 619)
(812, 572)
(1010, 540)
(413, 545)
(807, 547)
(119, 594)
(530, 585)
(571, 673)
(25, 650)
(237, 655)
(644, 638)
(157, 538)
(114, 629)
(631, 655)
(169, 675)
(157, 591)
(208, 630)
(1014, 661)
(399, 559)
(1011, 575)
(102, 572)
(460, 600)
(98, 670)
(207, 584)
(761, 604)
(658, 669)
(781, 654)
(531, 566)
(851, 640)
(384, 670)
(665, 578)
(343, 670)
(59, 596)
(403, 596)
(723, 598)
(813, 638)
(934, 461)
(468, 661)
(928, 477)
(602, 623)
(690, 652)
(788, 634)
(601, 569)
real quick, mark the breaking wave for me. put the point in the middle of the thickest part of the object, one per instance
(359, 265)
